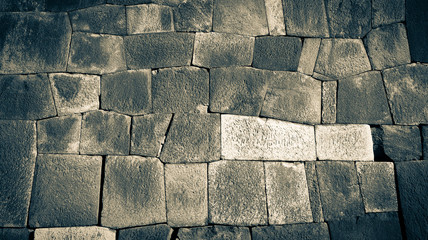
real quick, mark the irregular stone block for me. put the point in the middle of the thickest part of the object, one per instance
(309, 55)
(350, 142)
(386, 12)
(22, 6)
(222, 50)
(108, 19)
(214, 232)
(75, 93)
(15, 233)
(160, 232)
(93, 232)
(425, 142)
(237, 193)
(417, 29)
(194, 16)
(34, 42)
(134, 192)
(362, 99)
(25, 97)
(18, 152)
(192, 138)
(69, 5)
(314, 191)
(329, 102)
(182, 89)
(66, 191)
(105, 133)
(253, 138)
(402, 143)
(147, 18)
(339, 58)
(292, 231)
(245, 17)
(275, 17)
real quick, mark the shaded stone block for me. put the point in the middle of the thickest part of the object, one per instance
(147, 18)
(402, 143)
(192, 138)
(59, 197)
(34, 42)
(214, 232)
(386, 12)
(194, 16)
(292, 231)
(18, 152)
(362, 99)
(15, 233)
(377, 137)
(69, 5)
(134, 192)
(93, 232)
(59, 135)
(22, 5)
(329, 102)
(275, 17)
(309, 55)
(182, 89)
(425, 142)
(160, 232)
(277, 53)
(237, 193)
(222, 50)
(314, 191)
(25, 97)
(417, 29)
(105, 133)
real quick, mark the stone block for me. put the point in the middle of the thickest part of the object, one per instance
(22, 5)
(15, 233)
(292, 231)
(18, 152)
(254, 138)
(309, 55)
(350, 142)
(66, 191)
(194, 16)
(192, 138)
(214, 232)
(149, 18)
(424, 130)
(105, 133)
(417, 29)
(377, 136)
(108, 19)
(134, 192)
(402, 143)
(26, 97)
(69, 5)
(93, 232)
(34, 42)
(314, 191)
(159, 232)
(387, 11)
(237, 193)
(275, 17)
(329, 102)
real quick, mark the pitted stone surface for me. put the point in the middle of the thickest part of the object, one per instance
(149, 18)
(134, 192)
(66, 191)
(237, 193)
(194, 15)
(314, 191)
(69, 5)
(350, 142)
(214, 232)
(309, 55)
(329, 102)
(387, 11)
(417, 30)
(425, 142)
(401, 143)
(94, 232)
(275, 17)
(155, 232)
(108, 19)
(15, 233)
(253, 138)
(292, 231)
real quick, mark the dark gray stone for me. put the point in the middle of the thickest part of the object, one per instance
(90, 232)
(377, 137)
(314, 191)
(146, 18)
(194, 16)
(294, 231)
(402, 143)
(15, 233)
(417, 29)
(34, 42)
(129, 2)
(214, 232)
(155, 232)
(22, 5)
(387, 12)
(17, 158)
(329, 102)
(66, 191)
(69, 5)
(25, 97)
(425, 142)
(309, 55)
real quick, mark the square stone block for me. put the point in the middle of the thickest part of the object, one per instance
(149, 18)
(194, 16)
(401, 143)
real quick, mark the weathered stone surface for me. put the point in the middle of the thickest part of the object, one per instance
(134, 192)
(214, 232)
(192, 138)
(109, 19)
(340, 193)
(17, 157)
(127, 92)
(350, 142)
(292, 231)
(22, 5)
(75, 93)
(314, 191)
(339, 58)
(15, 233)
(222, 50)
(246, 17)
(237, 193)
(362, 99)
(160, 232)
(75, 233)
(402, 143)
(309, 55)
(25, 97)
(322, 77)
(407, 91)
(157, 50)
(66, 191)
(59, 135)
(69, 5)
(425, 142)
(148, 18)
(105, 133)
(377, 137)
(417, 29)
(294, 206)
(329, 102)
(194, 15)
(34, 42)
(387, 11)
(275, 17)
(95, 53)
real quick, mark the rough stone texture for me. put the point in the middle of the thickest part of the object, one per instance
(134, 192)
(222, 50)
(253, 138)
(186, 194)
(69, 5)
(417, 29)
(277, 53)
(17, 158)
(402, 143)
(157, 50)
(94, 232)
(59, 135)
(148, 133)
(350, 142)
(329, 102)
(275, 17)
(127, 92)
(95, 53)
(192, 138)
(147, 18)
(22, 5)
(108, 19)
(425, 142)
(183, 89)
(214, 232)
(362, 99)
(377, 184)
(294, 231)
(155, 232)
(246, 17)
(340, 192)
(34, 42)
(322, 77)
(407, 91)
(75, 93)
(377, 136)
(314, 191)
(15, 233)
(387, 11)
(194, 15)
(105, 133)
(306, 18)
(339, 58)
(309, 55)
(294, 206)
(25, 97)
(59, 197)
(237, 193)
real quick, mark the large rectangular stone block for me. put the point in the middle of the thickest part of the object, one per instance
(107, 19)
(149, 18)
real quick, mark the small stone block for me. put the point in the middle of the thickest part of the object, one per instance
(15, 233)
(402, 143)
(155, 232)
(149, 18)
(275, 17)
(194, 16)
(388, 11)
(314, 191)
(214, 232)
(329, 102)
(309, 55)
(75, 233)
(292, 231)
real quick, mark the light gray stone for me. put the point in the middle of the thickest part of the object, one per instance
(314, 191)
(194, 16)
(275, 17)
(291, 231)
(93, 232)
(401, 143)
(323, 77)
(387, 11)
(309, 55)
(214, 232)
(154, 232)
(329, 102)
(149, 18)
